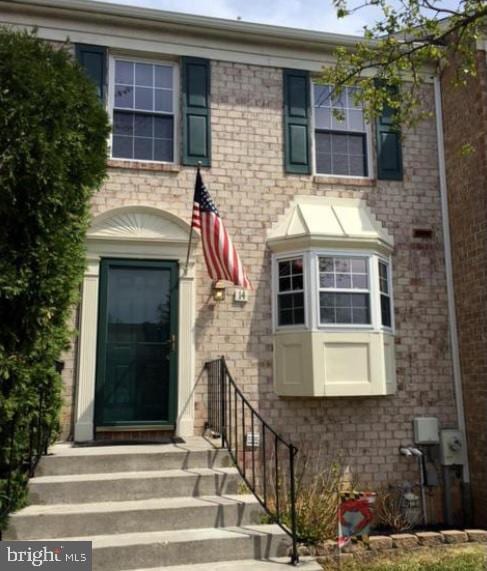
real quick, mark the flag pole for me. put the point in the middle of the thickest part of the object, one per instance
(191, 231)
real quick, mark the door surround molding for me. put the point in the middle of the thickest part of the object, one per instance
(135, 232)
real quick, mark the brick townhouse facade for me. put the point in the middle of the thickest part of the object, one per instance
(344, 339)
(465, 121)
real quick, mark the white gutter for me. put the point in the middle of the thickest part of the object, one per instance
(249, 30)
(452, 318)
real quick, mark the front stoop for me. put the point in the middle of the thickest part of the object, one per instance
(151, 507)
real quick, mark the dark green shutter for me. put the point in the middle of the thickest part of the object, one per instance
(196, 111)
(389, 154)
(296, 121)
(93, 60)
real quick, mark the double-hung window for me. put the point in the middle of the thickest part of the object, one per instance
(340, 132)
(290, 296)
(385, 294)
(344, 290)
(143, 111)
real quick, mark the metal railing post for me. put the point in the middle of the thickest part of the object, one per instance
(294, 555)
(222, 399)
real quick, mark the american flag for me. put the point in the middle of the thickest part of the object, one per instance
(222, 259)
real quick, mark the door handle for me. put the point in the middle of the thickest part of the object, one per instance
(171, 342)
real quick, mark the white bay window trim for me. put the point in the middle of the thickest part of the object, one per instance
(311, 279)
(128, 57)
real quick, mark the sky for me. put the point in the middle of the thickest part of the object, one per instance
(309, 14)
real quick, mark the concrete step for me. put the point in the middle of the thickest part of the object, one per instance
(273, 564)
(185, 547)
(89, 488)
(65, 520)
(65, 459)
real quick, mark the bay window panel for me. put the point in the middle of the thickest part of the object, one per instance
(344, 273)
(385, 309)
(385, 300)
(291, 292)
(344, 308)
(291, 309)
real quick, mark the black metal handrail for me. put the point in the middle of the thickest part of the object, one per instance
(263, 458)
(25, 461)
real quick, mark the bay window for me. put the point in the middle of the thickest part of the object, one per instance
(351, 291)
(332, 300)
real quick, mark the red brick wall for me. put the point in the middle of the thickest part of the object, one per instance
(465, 122)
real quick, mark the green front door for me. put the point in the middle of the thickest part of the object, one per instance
(136, 361)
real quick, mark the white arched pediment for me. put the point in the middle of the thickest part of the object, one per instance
(139, 223)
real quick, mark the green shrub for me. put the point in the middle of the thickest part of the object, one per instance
(53, 132)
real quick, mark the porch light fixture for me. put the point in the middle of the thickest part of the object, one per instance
(219, 291)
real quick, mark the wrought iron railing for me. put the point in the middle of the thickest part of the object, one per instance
(264, 459)
(24, 462)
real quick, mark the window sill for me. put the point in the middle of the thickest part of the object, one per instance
(344, 180)
(143, 166)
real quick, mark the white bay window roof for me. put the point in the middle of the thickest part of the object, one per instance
(315, 221)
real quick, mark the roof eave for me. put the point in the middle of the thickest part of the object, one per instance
(249, 31)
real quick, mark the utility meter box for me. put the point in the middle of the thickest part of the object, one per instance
(426, 430)
(452, 448)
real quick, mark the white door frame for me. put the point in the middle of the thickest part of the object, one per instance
(135, 232)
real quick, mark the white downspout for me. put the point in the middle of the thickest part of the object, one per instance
(452, 319)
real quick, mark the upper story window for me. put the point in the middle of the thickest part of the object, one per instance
(340, 141)
(143, 110)
(344, 290)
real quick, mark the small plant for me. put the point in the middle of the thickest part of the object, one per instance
(390, 510)
(317, 502)
(319, 481)
(243, 489)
